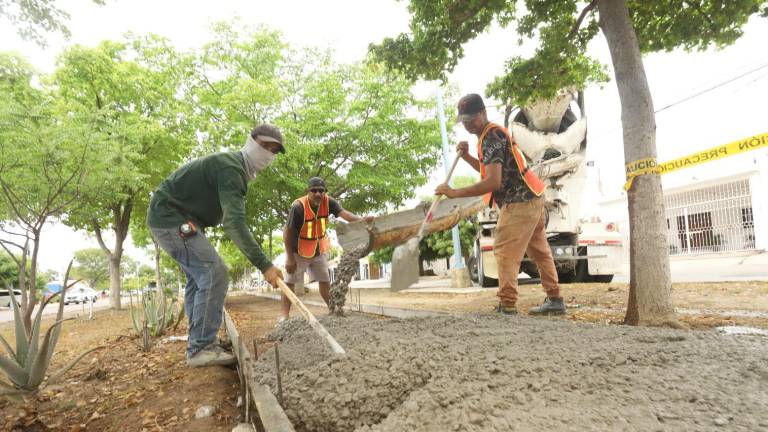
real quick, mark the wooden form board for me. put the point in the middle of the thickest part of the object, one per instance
(271, 414)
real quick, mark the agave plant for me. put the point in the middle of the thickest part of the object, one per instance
(156, 313)
(26, 366)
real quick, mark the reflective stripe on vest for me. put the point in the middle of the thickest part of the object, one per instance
(530, 179)
(312, 231)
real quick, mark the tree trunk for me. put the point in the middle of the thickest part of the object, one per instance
(650, 282)
(23, 287)
(114, 280)
(121, 221)
(32, 299)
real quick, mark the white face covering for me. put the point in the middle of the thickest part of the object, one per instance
(256, 157)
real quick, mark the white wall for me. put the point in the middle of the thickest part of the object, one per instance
(752, 166)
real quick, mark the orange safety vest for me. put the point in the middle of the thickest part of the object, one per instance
(530, 178)
(313, 230)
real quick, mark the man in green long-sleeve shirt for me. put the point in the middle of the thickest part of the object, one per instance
(204, 193)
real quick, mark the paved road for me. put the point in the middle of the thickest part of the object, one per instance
(714, 269)
(6, 314)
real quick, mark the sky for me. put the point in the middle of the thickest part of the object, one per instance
(731, 111)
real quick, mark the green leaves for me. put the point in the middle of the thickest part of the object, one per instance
(157, 311)
(438, 32)
(563, 29)
(130, 90)
(664, 25)
(26, 366)
(540, 77)
(93, 267)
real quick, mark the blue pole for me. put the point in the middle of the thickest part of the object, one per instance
(447, 164)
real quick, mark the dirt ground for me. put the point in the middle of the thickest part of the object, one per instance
(255, 318)
(121, 388)
(487, 372)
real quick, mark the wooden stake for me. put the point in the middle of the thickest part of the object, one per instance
(313, 322)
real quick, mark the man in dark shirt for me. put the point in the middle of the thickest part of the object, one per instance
(507, 183)
(204, 193)
(306, 243)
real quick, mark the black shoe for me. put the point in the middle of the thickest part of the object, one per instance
(551, 306)
(506, 310)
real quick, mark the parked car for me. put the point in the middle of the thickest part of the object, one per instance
(80, 295)
(5, 297)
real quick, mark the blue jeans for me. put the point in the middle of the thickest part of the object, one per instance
(207, 284)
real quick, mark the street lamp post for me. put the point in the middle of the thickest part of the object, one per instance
(446, 162)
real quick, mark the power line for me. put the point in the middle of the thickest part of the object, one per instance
(685, 99)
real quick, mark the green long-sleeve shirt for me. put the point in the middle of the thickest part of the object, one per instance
(211, 191)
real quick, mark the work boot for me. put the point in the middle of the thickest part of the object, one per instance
(551, 306)
(224, 343)
(212, 355)
(506, 310)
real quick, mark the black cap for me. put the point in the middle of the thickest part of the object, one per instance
(268, 133)
(469, 106)
(315, 182)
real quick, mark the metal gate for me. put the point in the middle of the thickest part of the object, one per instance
(711, 219)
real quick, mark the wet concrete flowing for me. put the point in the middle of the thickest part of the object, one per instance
(491, 373)
(348, 266)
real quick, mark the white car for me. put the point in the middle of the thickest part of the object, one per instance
(5, 297)
(80, 295)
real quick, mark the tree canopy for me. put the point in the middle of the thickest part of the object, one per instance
(437, 37)
(33, 18)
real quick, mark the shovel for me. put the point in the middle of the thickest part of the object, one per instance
(405, 257)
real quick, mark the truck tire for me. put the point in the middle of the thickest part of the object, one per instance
(603, 278)
(567, 276)
(581, 272)
(530, 269)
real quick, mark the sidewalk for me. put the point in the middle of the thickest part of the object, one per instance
(714, 268)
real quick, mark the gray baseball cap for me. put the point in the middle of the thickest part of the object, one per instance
(268, 133)
(469, 106)
(316, 182)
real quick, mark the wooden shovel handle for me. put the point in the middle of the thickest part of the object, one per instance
(313, 322)
(432, 208)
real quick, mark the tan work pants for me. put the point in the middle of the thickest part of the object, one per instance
(520, 230)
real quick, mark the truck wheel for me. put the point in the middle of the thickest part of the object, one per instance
(602, 278)
(568, 276)
(581, 272)
(530, 269)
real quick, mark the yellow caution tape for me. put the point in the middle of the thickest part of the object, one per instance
(650, 166)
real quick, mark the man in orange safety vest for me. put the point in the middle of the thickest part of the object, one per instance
(506, 182)
(306, 240)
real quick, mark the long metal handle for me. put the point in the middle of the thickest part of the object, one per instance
(313, 322)
(432, 208)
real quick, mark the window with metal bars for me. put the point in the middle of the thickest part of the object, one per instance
(711, 219)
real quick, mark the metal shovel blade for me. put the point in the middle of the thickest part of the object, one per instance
(405, 265)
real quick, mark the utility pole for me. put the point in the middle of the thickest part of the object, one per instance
(447, 163)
